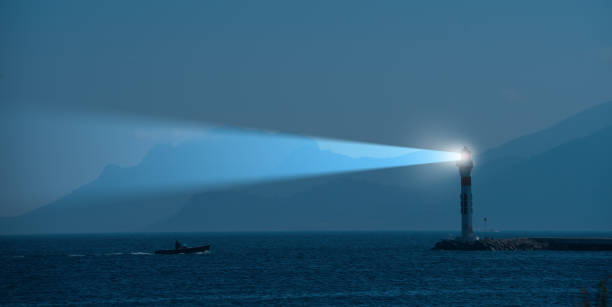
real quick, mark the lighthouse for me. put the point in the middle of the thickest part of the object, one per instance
(465, 166)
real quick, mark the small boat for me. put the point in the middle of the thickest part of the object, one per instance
(184, 250)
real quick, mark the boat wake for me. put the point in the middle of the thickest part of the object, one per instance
(111, 254)
(140, 253)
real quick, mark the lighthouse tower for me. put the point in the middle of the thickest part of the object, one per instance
(465, 170)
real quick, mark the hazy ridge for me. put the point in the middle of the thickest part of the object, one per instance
(524, 184)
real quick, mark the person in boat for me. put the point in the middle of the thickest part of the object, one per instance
(178, 245)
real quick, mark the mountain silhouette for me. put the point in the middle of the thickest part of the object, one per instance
(555, 179)
(130, 199)
(583, 124)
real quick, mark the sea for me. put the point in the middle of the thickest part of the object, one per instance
(292, 268)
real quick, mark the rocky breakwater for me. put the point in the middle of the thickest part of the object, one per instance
(510, 244)
(491, 244)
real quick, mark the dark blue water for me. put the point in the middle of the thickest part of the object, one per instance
(353, 268)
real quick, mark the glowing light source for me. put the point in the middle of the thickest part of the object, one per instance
(466, 154)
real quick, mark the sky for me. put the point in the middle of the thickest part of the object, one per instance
(84, 84)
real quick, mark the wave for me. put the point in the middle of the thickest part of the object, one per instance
(76, 255)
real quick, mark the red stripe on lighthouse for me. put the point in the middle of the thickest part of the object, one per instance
(466, 181)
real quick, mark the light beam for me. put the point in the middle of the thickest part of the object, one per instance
(230, 156)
